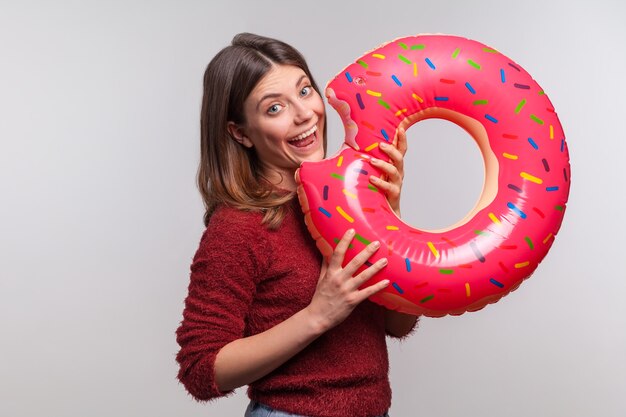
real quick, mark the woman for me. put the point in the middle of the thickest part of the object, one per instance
(264, 309)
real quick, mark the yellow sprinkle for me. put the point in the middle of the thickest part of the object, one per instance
(415, 69)
(340, 161)
(494, 218)
(349, 194)
(509, 156)
(399, 112)
(372, 146)
(547, 238)
(522, 264)
(467, 289)
(433, 249)
(393, 228)
(530, 178)
(379, 56)
(551, 132)
(418, 98)
(345, 215)
(373, 93)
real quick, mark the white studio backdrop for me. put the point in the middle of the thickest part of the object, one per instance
(100, 217)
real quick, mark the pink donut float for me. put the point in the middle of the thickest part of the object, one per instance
(527, 174)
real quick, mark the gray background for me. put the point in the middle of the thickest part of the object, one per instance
(99, 215)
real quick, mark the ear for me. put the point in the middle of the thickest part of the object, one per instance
(237, 133)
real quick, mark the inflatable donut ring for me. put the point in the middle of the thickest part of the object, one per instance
(502, 240)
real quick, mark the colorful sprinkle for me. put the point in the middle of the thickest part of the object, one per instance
(326, 193)
(368, 125)
(449, 242)
(547, 238)
(551, 132)
(418, 46)
(407, 263)
(374, 93)
(470, 88)
(345, 215)
(562, 144)
(447, 81)
(373, 73)
(509, 156)
(339, 177)
(522, 86)
(340, 161)
(397, 287)
(392, 228)
(532, 143)
(384, 104)
(360, 171)
(399, 112)
(446, 271)
(553, 188)
(349, 77)
(362, 239)
(372, 188)
(441, 98)
(480, 102)
(325, 212)
(491, 118)
(385, 135)
(455, 53)
(360, 101)
(494, 218)
(428, 298)
(536, 119)
(402, 45)
(539, 212)
(515, 188)
(496, 283)
(559, 207)
(522, 264)
(530, 177)
(415, 69)
(396, 80)
(503, 267)
(418, 98)
(529, 242)
(516, 210)
(509, 136)
(520, 105)
(544, 161)
(404, 59)
(349, 194)
(477, 252)
(372, 146)
(362, 63)
(473, 64)
(433, 249)
(430, 64)
(468, 291)
(502, 76)
(379, 56)
(511, 65)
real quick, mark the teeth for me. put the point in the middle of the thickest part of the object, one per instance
(304, 135)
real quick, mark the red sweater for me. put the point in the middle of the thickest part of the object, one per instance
(246, 279)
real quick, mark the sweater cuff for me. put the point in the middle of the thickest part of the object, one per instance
(199, 379)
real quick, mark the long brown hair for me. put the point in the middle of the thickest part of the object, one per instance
(230, 173)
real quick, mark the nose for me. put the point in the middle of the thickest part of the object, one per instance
(303, 112)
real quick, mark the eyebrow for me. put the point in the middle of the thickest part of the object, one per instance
(274, 95)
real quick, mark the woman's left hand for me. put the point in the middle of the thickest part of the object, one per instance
(390, 182)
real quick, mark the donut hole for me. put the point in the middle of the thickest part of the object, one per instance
(444, 173)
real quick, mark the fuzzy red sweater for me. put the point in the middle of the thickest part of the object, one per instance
(246, 279)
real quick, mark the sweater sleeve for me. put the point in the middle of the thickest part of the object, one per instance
(223, 279)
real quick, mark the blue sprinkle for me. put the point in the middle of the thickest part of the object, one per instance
(396, 80)
(477, 252)
(496, 283)
(532, 143)
(441, 98)
(349, 77)
(408, 264)
(562, 144)
(397, 287)
(385, 135)
(360, 171)
(491, 118)
(360, 101)
(326, 213)
(516, 210)
(555, 188)
(326, 192)
(430, 64)
(470, 88)
(502, 77)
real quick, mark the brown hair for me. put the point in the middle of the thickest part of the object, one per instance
(230, 173)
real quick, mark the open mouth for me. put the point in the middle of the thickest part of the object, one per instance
(304, 139)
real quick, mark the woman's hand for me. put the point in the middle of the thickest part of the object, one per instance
(391, 182)
(337, 292)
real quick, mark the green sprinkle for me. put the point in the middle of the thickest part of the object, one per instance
(404, 59)
(520, 105)
(350, 246)
(371, 187)
(446, 271)
(473, 64)
(490, 51)
(479, 102)
(362, 63)
(384, 104)
(428, 298)
(362, 239)
(558, 207)
(541, 93)
(339, 177)
(481, 232)
(536, 119)
(530, 242)
(418, 46)
(402, 45)
(456, 53)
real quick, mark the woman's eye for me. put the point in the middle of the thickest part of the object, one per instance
(274, 109)
(305, 91)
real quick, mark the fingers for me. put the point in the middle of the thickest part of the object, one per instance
(401, 142)
(340, 250)
(390, 189)
(361, 258)
(393, 172)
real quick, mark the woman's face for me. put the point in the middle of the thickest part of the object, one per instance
(284, 123)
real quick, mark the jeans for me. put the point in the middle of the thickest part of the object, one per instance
(256, 409)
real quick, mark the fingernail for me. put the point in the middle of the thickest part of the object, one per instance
(383, 145)
(385, 282)
(351, 232)
(376, 244)
(375, 161)
(375, 179)
(384, 261)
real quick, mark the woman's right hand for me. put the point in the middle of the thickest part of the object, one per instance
(337, 292)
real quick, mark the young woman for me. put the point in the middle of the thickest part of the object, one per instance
(263, 308)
